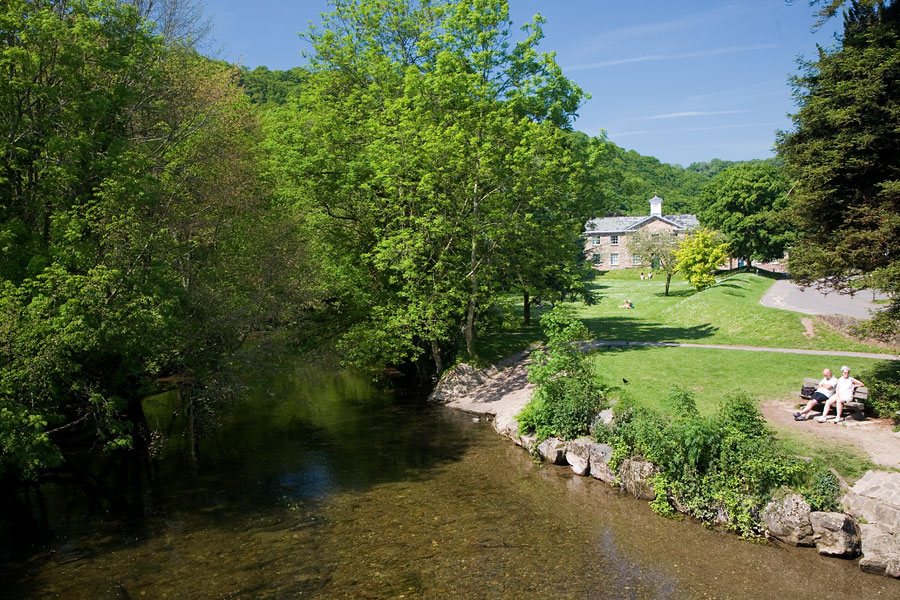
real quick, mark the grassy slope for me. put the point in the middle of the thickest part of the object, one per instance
(728, 313)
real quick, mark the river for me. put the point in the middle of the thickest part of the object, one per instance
(322, 486)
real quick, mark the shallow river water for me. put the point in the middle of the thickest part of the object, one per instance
(323, 487)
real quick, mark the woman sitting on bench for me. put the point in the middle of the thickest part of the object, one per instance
(843, 393)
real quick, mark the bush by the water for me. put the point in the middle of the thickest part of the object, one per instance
(567, 394)
(725, 465)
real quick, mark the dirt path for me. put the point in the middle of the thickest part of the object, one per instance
(875, 436)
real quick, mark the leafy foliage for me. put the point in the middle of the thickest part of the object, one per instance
(567, 395)
(137, 240)
(842, 154)
(747, 203)
(726, 465)
(431, 152)
(698, 256)
(658, 248)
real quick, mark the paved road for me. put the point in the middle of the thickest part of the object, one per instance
(790, 296)
(600, 343)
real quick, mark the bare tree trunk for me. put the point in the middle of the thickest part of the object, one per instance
(668, 280)
(526, 308)
(473, 277)
(436, 354)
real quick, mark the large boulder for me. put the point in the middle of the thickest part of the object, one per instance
(835, 534)
(600, 454)
(553, 450)
(636, 476)
(787, 519)
(457, 383)
(578, 455)
(879, 549)
(875, 503)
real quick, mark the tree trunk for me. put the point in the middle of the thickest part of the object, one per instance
(473, 277)
(438, 361)
(668, 279)
(526, 308)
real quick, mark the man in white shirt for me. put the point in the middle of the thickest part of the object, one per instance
(843, 392)
(822, 394)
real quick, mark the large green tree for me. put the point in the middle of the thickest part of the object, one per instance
(657, 249)
(136, 237)
(843, 155)
(430, 146)
(746, 202)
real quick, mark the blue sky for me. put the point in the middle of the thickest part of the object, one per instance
(684, 81)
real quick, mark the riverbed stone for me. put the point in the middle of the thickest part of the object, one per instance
(835, 534)
(578, 455)
(636, 477)
(786, 518)
(600, 454)
(553, 450)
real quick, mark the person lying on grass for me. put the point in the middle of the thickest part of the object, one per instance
(628, 304)
(822, 394)
(843, 392)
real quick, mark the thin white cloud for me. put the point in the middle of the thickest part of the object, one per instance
(645, 30)
(656, 57)
(775, 85)
(627, 133)
(691, 113)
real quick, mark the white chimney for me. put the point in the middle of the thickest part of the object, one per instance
(655, 206)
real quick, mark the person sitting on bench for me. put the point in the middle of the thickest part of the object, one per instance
(822, 394)
(843, 392)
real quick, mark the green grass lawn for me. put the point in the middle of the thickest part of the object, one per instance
(710, 374)
(727, 313)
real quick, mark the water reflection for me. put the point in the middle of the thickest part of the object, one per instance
(327, 488)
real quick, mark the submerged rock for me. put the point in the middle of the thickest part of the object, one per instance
(835, 534)
(578, 455)
(787, 519)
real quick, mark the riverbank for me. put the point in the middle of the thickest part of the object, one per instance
(501, 392)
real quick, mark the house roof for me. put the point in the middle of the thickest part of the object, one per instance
(606, 225)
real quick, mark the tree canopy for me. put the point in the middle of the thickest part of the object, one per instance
(431, 147)
(843, 156)
(746, 202)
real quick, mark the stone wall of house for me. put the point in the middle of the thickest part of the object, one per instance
(605, 247)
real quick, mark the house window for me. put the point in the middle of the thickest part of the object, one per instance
(636, 260)
(613, 259)
(598, 259)
(595, 241)
(613, 240)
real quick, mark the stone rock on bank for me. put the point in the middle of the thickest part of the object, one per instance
(636, 475)
(835, 534)
(578, 455)
(787, 519)
(875, 503)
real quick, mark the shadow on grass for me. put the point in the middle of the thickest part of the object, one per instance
(676, 293)
(637, 330)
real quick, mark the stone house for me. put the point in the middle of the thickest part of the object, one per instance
(606, 238)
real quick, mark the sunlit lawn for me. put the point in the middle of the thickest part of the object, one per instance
(728, 313)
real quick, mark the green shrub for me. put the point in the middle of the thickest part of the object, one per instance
(822, 490)
(567, 394)
(729, 462)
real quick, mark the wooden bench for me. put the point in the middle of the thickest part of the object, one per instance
(857, 407)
